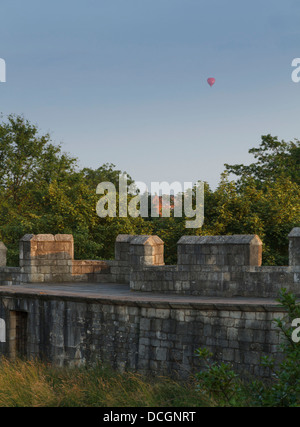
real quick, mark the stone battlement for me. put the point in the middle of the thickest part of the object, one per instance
(214, 266)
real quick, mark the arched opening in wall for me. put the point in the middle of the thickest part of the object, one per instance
(18, 334)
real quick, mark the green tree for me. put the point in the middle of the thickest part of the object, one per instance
(29, 164)
(42, 190)
(274, 159)
(27, 160)
(272, 187)
(105, 173)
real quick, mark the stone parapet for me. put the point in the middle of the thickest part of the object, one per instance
(210, 266)
(214, 281)
(91, 271)
(232, 250)
(46, 257)
(145, 251)
(10, 276)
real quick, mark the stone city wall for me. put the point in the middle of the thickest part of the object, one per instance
(150, 336)
(157, 338)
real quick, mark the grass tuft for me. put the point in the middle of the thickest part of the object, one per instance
(36, 384)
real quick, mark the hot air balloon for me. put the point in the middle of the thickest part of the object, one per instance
(211, 81)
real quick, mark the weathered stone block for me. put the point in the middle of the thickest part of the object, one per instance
(161, 354)
(44, 255)
(232, 250)
(36, 277)
(146, 250)
(122, 247)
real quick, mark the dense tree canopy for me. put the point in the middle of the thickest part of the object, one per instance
(43, 190)
(274, 159)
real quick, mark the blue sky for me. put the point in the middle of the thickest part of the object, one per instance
(124, 81)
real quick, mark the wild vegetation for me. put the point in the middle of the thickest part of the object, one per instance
(33, 384)
(220, 384)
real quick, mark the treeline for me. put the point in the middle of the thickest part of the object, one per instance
(43, 190)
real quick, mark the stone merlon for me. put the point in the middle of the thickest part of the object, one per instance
(220, 250)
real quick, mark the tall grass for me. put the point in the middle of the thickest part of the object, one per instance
(35, 384)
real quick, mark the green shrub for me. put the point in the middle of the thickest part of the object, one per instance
(223, 387)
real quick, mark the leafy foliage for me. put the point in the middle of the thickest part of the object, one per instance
(43, 190)
(274, 159)
(219, 383)
(284, 390)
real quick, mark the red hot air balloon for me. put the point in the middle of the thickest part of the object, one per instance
(211, 81)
